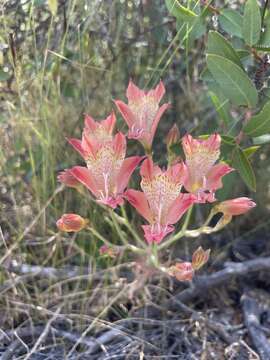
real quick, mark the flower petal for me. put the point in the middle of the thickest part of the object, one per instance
(90, 123)
(159, 91)
(156, 233)
(127, 168)
(161, 110)
(138, 200)
(133, 92)
(77, 145)
(109, 122)
(215, 175)
(179, 207)
(85, 176)
(126, 112)
(149, 170)
(119, 144)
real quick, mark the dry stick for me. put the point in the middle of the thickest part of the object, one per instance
(203, 283)
(43, 334)
(251, 313)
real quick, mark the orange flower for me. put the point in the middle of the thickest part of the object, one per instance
(71, 223)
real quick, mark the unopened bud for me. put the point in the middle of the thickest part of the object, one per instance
(199, 258)
(173, 136)
(71, 223)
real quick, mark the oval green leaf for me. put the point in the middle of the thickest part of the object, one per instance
(252, 22)
(218, 45)
(231, 22)
(234, 82)
(259, 124)
(242, 164)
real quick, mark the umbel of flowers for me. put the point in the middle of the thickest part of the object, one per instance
(165, 195)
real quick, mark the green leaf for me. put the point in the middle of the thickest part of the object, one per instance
(179, 11)
(252, 22)
(221, 108)
(4, 76)
(231, 22)
(53, 5)
(259, 124)
(242, 164)
(260, 140)
(250, 151)
(218, 45)
(228, 140)
(234, 82)
(264, 42)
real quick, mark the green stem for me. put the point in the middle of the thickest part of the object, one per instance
(126, 222)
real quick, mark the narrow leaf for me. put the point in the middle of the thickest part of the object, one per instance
(252, 22)
(234, 82)
(259, 124)
(242, 164)
(179, 11)
(250, 151)
(218, 45)
(231, 22)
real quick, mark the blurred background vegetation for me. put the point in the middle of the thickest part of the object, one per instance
(61, 59)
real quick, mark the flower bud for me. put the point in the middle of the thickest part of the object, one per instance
(173, 136)
(236, 206)
(182, 271)
(71, 223)
(66, 178)
(199, 258)
(108, 251)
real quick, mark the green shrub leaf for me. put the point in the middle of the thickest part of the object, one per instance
(259, 124)
(234, 82)
(179, 11)
(252, 22)
(231, 22)
(250, 151)
(242, 164)
(218, 45)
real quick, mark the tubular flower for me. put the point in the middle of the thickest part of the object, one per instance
(161, 202)
(236, 206)
(202, 174)
(108, 172)
(71, 223)
(94, 134)
(66, 178)
(142, 113)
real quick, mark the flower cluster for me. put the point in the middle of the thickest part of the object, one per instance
(166, 194)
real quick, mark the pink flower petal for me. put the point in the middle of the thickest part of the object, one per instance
(109, 122)
(149, 138)
(119, 144)
(215, 175)
(126, 112)
(179, 207)
(77, 145)
(127, 168)
(138, 200)
(133, 92)
(156, 233)
(85, 176)
(90, 123)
